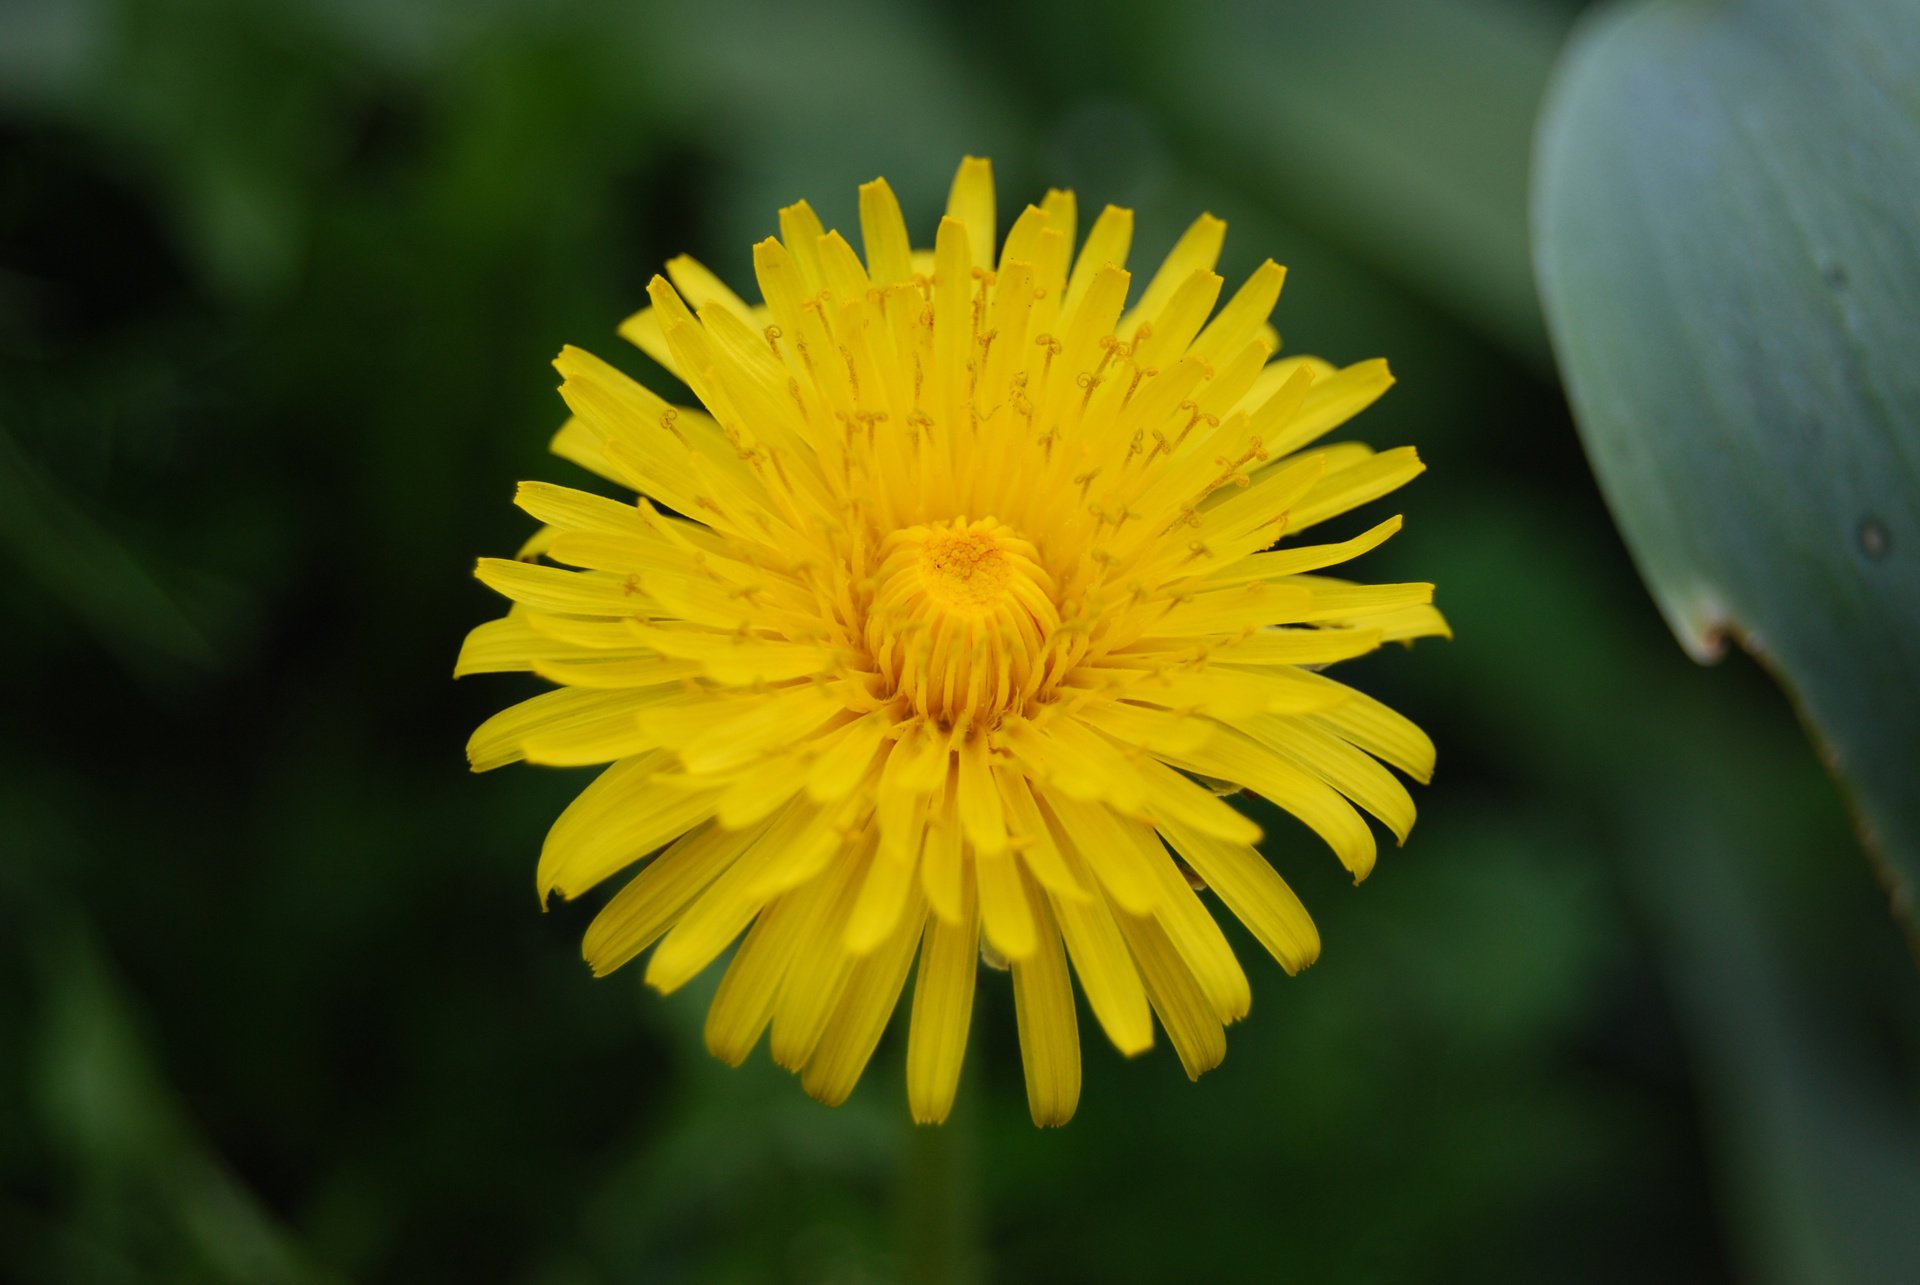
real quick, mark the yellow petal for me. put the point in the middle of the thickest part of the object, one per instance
(626, 813)
(652, 900)
(1066, 773)
(1105, 964)
(971, 202)
(1244, 314)
(726, 907)
(1311, 557)
(1033, 839)
(1230, 378)
(1409, 623)
(1337, 396)
(1063, 217)
(1382, 732)
(1023, 239)
(1254, 891)
(952, 322)
(743, 1004)
(572, 510)
(576, 443)
(734, 659)
(884, 234)
(846, 275)
(1090, 321)
(899, 809)
(1283, 371)
(1351, 487)
(815, 838)
(977, 801)
(1229, 611)
(885, 892)
(588, 633)
(509, 644)
(942, 1011)
(763, 723)
(1237, 520)
(845, 757)
(758, 791)
(571, 726)
(1175, 325)
(643, 331)
(870, 996)
(1203, 950)
(613, 670)
(1049, 1031)
(1230, 756)
(1172, 797)
(1336, 761)
(1197, 248)
(1279, 646)
(1343, 602)
(1106, 247)
(584, 593)
(651, 444)
(1224, 692)
(1193, 1028)
(1111, 847)
(1161, 731)
(700, 287)
(782, 285)
(942, 873)
(800, 231)
(819, 973)
(1004, 912)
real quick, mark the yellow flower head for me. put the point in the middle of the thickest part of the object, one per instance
(956, 605)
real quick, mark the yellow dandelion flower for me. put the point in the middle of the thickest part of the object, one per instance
(939, 631)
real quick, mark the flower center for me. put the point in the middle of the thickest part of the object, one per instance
(961, 617)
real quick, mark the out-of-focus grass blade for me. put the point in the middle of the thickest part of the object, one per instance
(155, 1201)
(1817, 1148)
(1725, 210)
(79, 562)
(1719, 830)
(1397, 129)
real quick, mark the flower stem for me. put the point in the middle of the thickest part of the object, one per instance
(939, 1207)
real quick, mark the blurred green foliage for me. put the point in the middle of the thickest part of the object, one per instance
(278, 283)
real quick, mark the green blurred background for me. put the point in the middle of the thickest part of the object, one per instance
(279, 282)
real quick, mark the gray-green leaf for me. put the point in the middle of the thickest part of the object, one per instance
(1727, 224)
